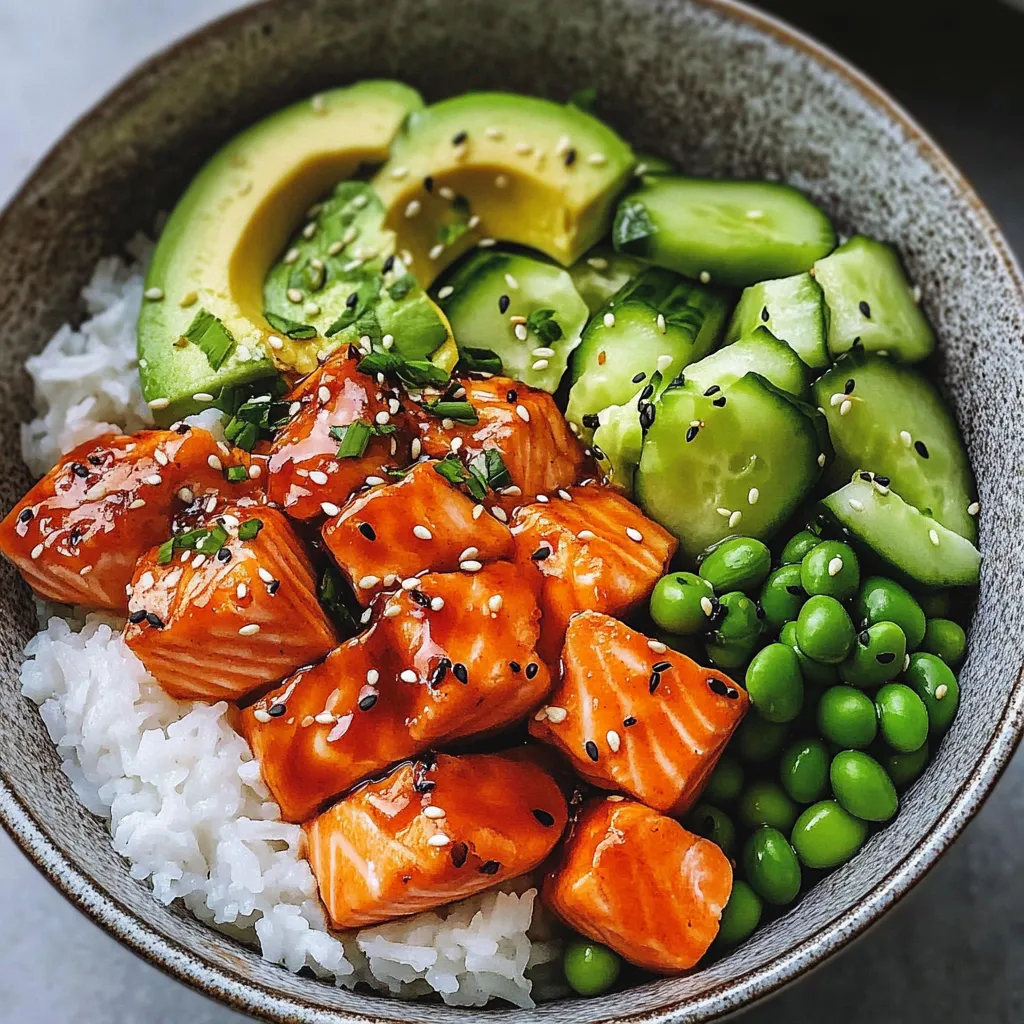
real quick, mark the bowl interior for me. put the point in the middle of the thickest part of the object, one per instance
(713, 86)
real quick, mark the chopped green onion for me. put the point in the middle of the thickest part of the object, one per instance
(289, 328)
(460, 412)
(236, 474)
(249, 529)
(480, 360)
(210, 335)
(354, 438)
(543, 323)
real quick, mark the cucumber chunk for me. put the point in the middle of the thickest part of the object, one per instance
(709, 472)
(617, 445)
(793, 309)
(657, 322)
(492, 288)
(601, 273)
(888, 419)
(738, 232)
(907, 542)
(871, 304)
(759, 353)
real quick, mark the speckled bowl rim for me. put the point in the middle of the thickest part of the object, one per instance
(244, 995)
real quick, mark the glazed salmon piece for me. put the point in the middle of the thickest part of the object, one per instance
(637, 881)
(431, 832)
(78, 533)
(232, 613)
(524, 426)
(439, 663)
(306, 476)
(419, 523)
(593, 550)
(635, 716)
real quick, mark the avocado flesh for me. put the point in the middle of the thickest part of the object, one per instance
(233, 222)
(498, 166)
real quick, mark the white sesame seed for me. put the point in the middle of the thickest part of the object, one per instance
(439, 840)
(634, 534)
(662, 325)
(906, 438)
(309, 230)
(447, 423)
(311, 309)
(456, 444)
(845, 407)
(470, 565)
(857, 506)
(37, 551)
(543, 352)
(214, 463)
(422, 532)
(211, 503)
(408, 676)
(291, 256)
(329, 508)
(597, 159)
(752, 495)
(444, 292)
(524, 148)
(415, 448)
(294, 408)
(412, 208)
(368, 582)
(323, 393)
(513, 491)
(837, 399)
(941, 690)
(543, 499)
(410, 583)
(436, 604)
(138, 503)
(324, 718)
(433, 811)
(399, 173)
(436, 251)
(494, 602)
(821, 459)
(391, 611)
(470, 552)
(657, 646)
(835, 566)
(478, 511)
(202, 396)
(294, 295)
(474, 222)
(154, 480)
(154, 294)
(598, 262)
(973, 509)
(586, 535)
(318, 477)
(724, 512)
(487, 243)
(933, 537)
(906, 662)
(523, 413)
(609, 319)
(915, 293)
(85, 570)
(734, 519)
(265, 575)
(557, 713)
(198, 561)
(613, 741)
(517, 320)
(494, 133)
(382, 417)
(159, 403)
(511, 282)
(564, 494)
(250, 630)
(540, 364)
(335, 247)
(707, 607)
(372, 481)
(186, 495)
(521, 332)
(189, 299)
(240, 591)
(500, 514)
(261, 715)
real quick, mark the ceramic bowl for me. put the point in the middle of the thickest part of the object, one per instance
(712, 84)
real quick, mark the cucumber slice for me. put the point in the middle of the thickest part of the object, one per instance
(738, 232)
(601, 273)
(793, 309)
(490, 289)
(888, 419)
(871, 304)
(617, 445)
(709, 472)
(657, 322)
(760, 353)
(910, 545)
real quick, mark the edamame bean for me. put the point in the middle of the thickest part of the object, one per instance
(803, 770)
(862, 787)
(905, 769)
(826, 835)
(782, 596)
(846, 716)
(798, 546)
(812, 671)
(830, 568)
(771, 866)
(711, 823)
(725, 782)
(758, 740)
(882, 600)
(933, 681)
(676, 603)
(824, 631)
(740, 916)
(590, 968)
(738, 563)
(766, 803)
(775, 684)
(902, 718)
(737, 629)
(877, 656)
(945, 639)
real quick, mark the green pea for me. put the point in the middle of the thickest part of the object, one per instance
(726, 781)
(905, 769)
(882, 600)
(797, 547)
(676, 603)
(766, 803)
(846, 716)
(803, 770)
(740, 916)
(877, 656)
(771, 866)
(862, 787)
(945, 639)
(824, 631)
(826, 835)
(902, 718)
(711, 823)
(774, 683)
(830, 568)
(739, 563)
(737, 631)
(758, 740)
(812, 671)
(782, 596)
(590, 968)
(938, 604)
(936, 685)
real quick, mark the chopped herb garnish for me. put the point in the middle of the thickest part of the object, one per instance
(365, 298)
(461, 412)
(255, 419)
(337, 601)
(490, 465)
(209, 335)
(354, 438)
(204, 541)
(543, 323)
(480, 360)
(417, 373)
(289, 328)
(632, 223)
(457, 475)
(249, 529)
(400, 288)
(236, 474)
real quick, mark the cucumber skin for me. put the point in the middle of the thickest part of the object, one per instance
(761, 352)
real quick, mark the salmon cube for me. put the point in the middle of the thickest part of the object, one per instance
(637, 881)
(430, 832)
(443, 661)
(593, 550)
(636, 716)
(78, 533)
(233, 611)
(419, 523)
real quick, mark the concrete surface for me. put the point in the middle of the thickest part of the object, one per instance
(951, 953)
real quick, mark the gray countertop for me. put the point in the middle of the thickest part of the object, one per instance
(952, 951)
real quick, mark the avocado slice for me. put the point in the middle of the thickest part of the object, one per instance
(201, 328)
(486, 166)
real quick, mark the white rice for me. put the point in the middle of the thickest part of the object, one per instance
(178, 785)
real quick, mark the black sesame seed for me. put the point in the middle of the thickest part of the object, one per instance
(647, 393)
(654, 683)
(418, 597)
(638, 377)
(276, 710)
(428, 183)
(882, 481)
(459, 138)
(79, 470)
(544, 817)
(352, 300)
(629, 722)
(532, 669)
(184, 428)
(663, 666)
(591, 748)
(866, 477)
(720, 401)
(849, 386)
(597, 453)
(864, 638)
(590, 421)
(515, 666)
(490, 867)
(367, 702)
(647, 413)
(388, 265)
(76, 537)
(570, 157)
(503, 303)
(367, 531)
(921, 448)
(717, 686)
(136, 617)
(765, 315)
(154, 620)
(272, 587)
(864, 308)
(460, 673)
(856, 342)
(26, 515)
(437, 676)
(713, 390)
(540, 554)
(692, 433)
(224, 555)
(512, 396)
(795, 590)
(422, 785)
(460, 851)
(887, 658)
(95, 460)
